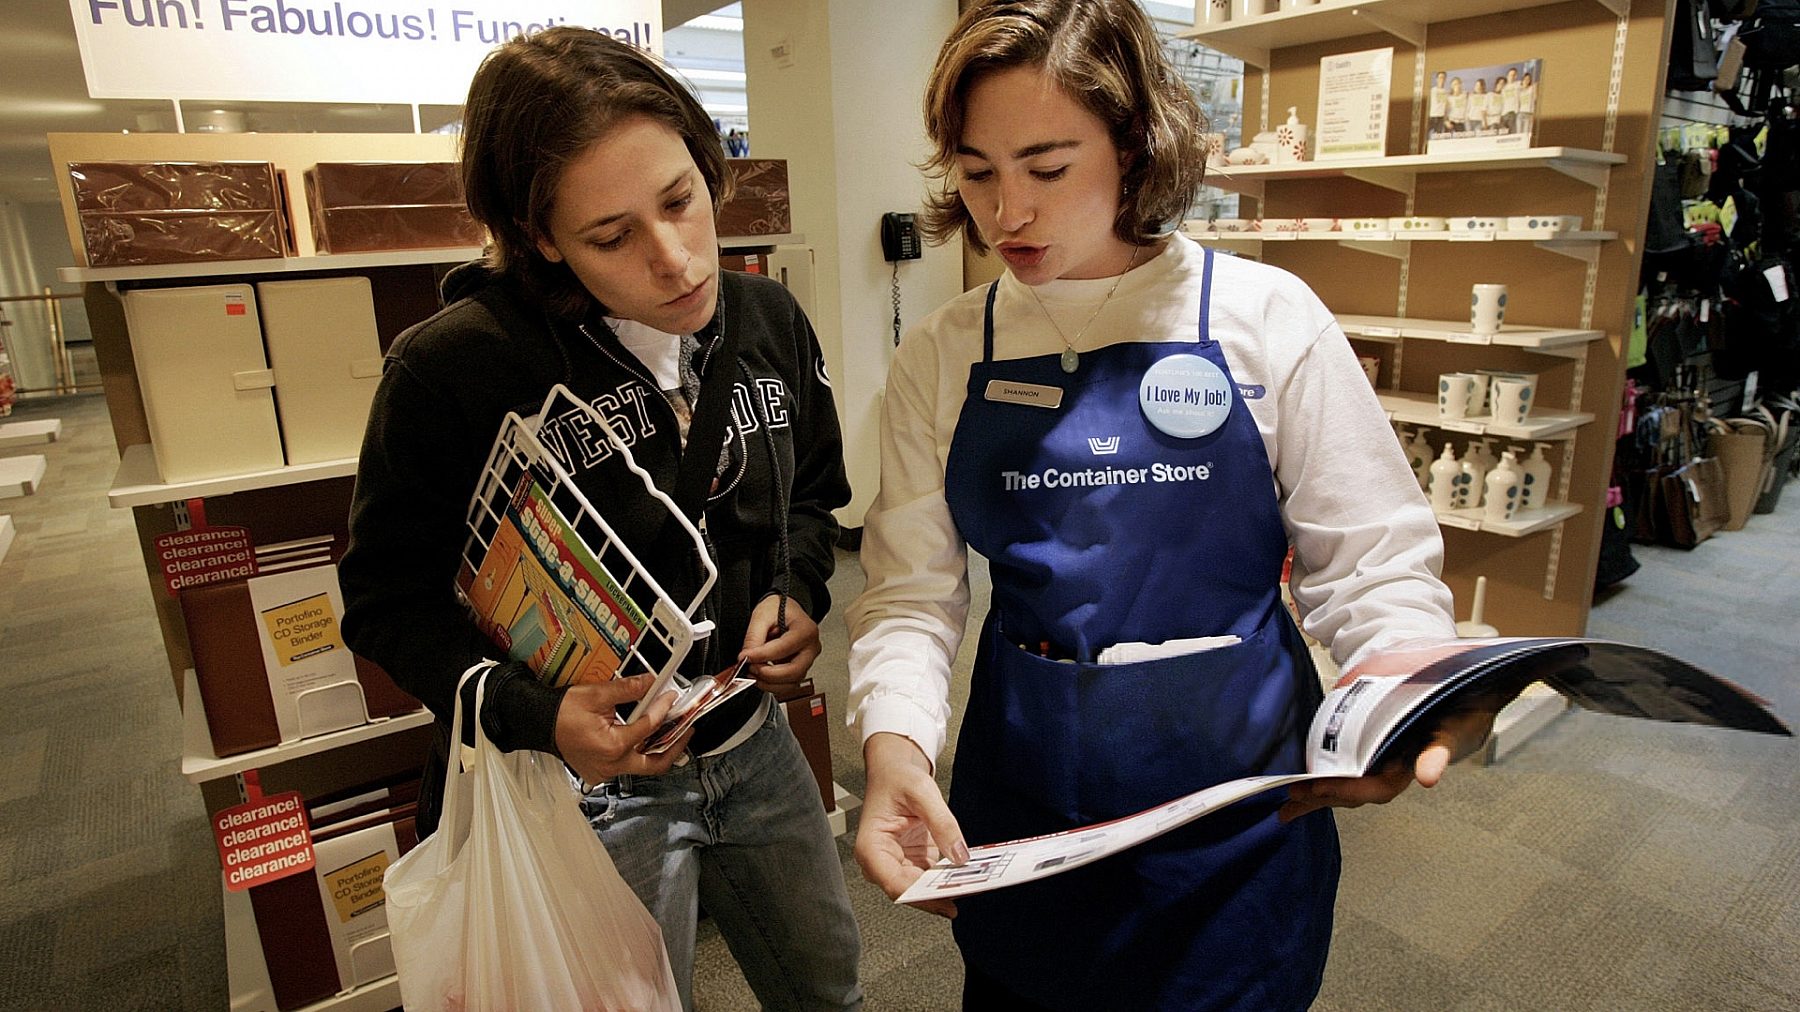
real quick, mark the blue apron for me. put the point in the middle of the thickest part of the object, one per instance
(1101, 529)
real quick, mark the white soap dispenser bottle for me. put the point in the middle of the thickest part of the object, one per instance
(1418, 457)
(1503, 485)
(1535, 479)
(1445, 474)
(1474, 472)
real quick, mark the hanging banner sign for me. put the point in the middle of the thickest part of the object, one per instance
(420, 52)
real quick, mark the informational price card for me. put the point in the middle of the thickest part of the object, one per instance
(1353, 104)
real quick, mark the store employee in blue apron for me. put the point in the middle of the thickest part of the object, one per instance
(1133, 431)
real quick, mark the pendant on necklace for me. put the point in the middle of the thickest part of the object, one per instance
(1071, 360)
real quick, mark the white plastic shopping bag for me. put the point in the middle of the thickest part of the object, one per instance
(514, 904)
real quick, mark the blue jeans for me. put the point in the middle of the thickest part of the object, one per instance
(744, 834)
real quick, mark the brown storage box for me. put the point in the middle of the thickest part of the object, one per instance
(234, 686)
(135, 213)
(812, 728)
(363, 184)
(759, 203)
(372, 229)
(173, 186)
(366, 207)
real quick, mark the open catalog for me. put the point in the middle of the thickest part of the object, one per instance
(552, 584)
(1385, 713)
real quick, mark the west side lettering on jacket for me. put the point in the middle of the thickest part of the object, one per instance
(580, 444)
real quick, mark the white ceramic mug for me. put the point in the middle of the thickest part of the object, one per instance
(1211, 12)
(1294, 5)
(1456, 391)
(1487, 308)
(1371, 367)
(1512, 399)
(1241, 9)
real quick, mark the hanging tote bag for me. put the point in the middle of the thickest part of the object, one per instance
(513, 904)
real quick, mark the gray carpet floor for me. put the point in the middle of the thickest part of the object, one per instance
(1609, 864)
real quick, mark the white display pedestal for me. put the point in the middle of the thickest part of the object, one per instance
(43, 430)
(21, 475)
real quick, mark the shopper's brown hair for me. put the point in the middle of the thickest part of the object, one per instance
(1107, 56)
(535, 104)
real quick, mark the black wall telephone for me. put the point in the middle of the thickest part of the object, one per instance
(899, 237)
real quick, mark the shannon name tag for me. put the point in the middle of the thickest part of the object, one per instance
(1034, 394)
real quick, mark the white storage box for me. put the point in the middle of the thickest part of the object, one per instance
(205, 380)
(326, 357)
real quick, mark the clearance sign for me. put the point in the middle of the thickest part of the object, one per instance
(420, 52)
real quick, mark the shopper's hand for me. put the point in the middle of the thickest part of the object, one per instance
(905, 824)
(779, 657)
(597, 746)
(1460, 733)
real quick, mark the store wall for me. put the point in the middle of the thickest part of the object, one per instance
(28, 339)
(835, 88)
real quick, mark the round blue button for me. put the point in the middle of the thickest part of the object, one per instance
(1185, 396)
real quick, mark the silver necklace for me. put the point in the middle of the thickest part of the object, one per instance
(1070, 358)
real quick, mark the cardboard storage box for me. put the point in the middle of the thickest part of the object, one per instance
(326, 357)
(759, 203)
(205, 380)
(360, 207)
(134, 213)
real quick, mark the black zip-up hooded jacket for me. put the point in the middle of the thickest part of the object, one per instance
(448, 383)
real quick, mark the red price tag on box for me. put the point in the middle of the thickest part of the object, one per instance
(263, 840)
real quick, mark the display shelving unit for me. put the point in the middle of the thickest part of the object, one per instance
(1602, 69)
(275, 504)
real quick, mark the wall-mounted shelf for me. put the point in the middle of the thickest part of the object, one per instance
(138, 482)
(1398, 172)
(199, 764)
(1522, 523)
(1559, 341)
(1421, 409)
(1252, 39)
(1584, 246)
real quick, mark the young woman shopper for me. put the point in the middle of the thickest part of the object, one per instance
(597, 176)
(1070, 147)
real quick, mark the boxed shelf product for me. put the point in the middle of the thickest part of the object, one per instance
(365, 207)
(205, 379)
(324, 931)
(759, 200)
(134, 213)
(269, 660)
(325, 354)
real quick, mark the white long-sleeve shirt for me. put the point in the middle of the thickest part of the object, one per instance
(1368, 549)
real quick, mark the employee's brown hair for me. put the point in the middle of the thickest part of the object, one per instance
(536, 103)
(1104, 54)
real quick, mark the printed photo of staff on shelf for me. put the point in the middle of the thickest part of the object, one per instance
(1483, 108)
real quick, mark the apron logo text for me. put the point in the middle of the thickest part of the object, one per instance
(1158, 473)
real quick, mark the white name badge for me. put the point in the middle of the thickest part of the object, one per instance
(1185, 396)
(1034, 394)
